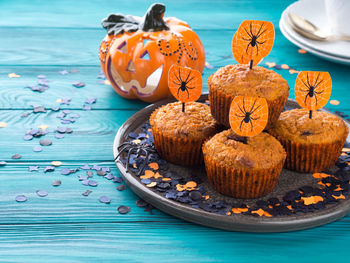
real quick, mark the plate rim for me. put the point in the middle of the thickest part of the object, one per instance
(302, 39)
(204, 218)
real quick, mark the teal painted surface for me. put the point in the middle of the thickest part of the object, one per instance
(49, 36)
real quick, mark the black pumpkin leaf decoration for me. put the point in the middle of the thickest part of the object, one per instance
(152, 21)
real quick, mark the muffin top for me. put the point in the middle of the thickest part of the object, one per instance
(196, 122)
(295, 125)
(261, 151)
(240, 80)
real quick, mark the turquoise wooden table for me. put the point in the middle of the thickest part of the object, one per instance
(47, 37)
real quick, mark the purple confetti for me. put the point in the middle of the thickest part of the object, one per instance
(123, 209)
(41, 76)
(21, 198)
(49, 169)
(85, 167)
(118, 179)
(66, 100)
(65, 171)
(121, 187)
(82, 177)
(96, 167)
(66, 111)
(109, 176)
(16, 156)
(56, 183)
(55, 108)
(41, 193)
(89, 174)
(85, 182)
(59, 136)
(64, 72)
(93, 183)
(90, 101)
(3, 163)
(38, 109)
(37, 148)
(86, 107)
(105, 199)
(44, 142)
(87, 192)
(33, 168)
(27, 137)
(61, 129)
(78, 84)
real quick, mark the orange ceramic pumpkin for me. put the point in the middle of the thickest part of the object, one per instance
(137, 52)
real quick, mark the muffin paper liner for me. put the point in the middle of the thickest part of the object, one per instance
(182, 151)
(220, 104)
(241, 183)
(310, 158)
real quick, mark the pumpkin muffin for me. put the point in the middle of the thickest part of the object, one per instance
(312, 145)
(240, 80)
(243, 170)
(178, 136)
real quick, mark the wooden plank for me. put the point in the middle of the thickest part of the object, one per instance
(217, 43)
(199, 14)
(170, 242)
(65, 203)
(92, 137)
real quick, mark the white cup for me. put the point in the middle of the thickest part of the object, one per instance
(338, 15)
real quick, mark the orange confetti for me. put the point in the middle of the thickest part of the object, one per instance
(313, 89)
(206, 197)
(239, 210)
(293, 71)
(339, 197)
(191, 184)
(148, 174)
(153, 166)
(137, 141)
(302, 51)
(334, 102)
(248, 115)
(107, 82)
(284, 66)
(185, 84)
(228, 213)
(260, 212)
(166, 179)
(345, 149)
(270, 64)
(150, 185)
(320, 175)
(56, 163)
(338, 189)
(3, 124)
(267, 214)
(13, 75)
(253, 41)
(312, 200)
(157, 175)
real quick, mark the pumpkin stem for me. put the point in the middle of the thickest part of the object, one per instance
(153, 19)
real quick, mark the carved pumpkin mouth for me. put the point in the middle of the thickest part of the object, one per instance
(151, 86)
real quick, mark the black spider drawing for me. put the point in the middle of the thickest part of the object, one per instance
(311, 89)
(247, 115)
(253, 39)
(138, 149)
(183, 84)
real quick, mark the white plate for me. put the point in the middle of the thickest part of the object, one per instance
(311, 50)
(314, 11)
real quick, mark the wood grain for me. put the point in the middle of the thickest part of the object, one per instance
(45, 37)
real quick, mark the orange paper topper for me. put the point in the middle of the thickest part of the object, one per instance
(253, 41)
(184, 83)
(313, 89)
(248, 115)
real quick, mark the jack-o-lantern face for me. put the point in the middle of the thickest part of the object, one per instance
(137, 63)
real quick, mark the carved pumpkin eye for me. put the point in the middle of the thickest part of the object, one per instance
(184, 83)
(313, 89)
(248, 115)
(253, 41)
(123, 47)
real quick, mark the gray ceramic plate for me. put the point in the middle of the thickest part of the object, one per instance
(238, 222)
